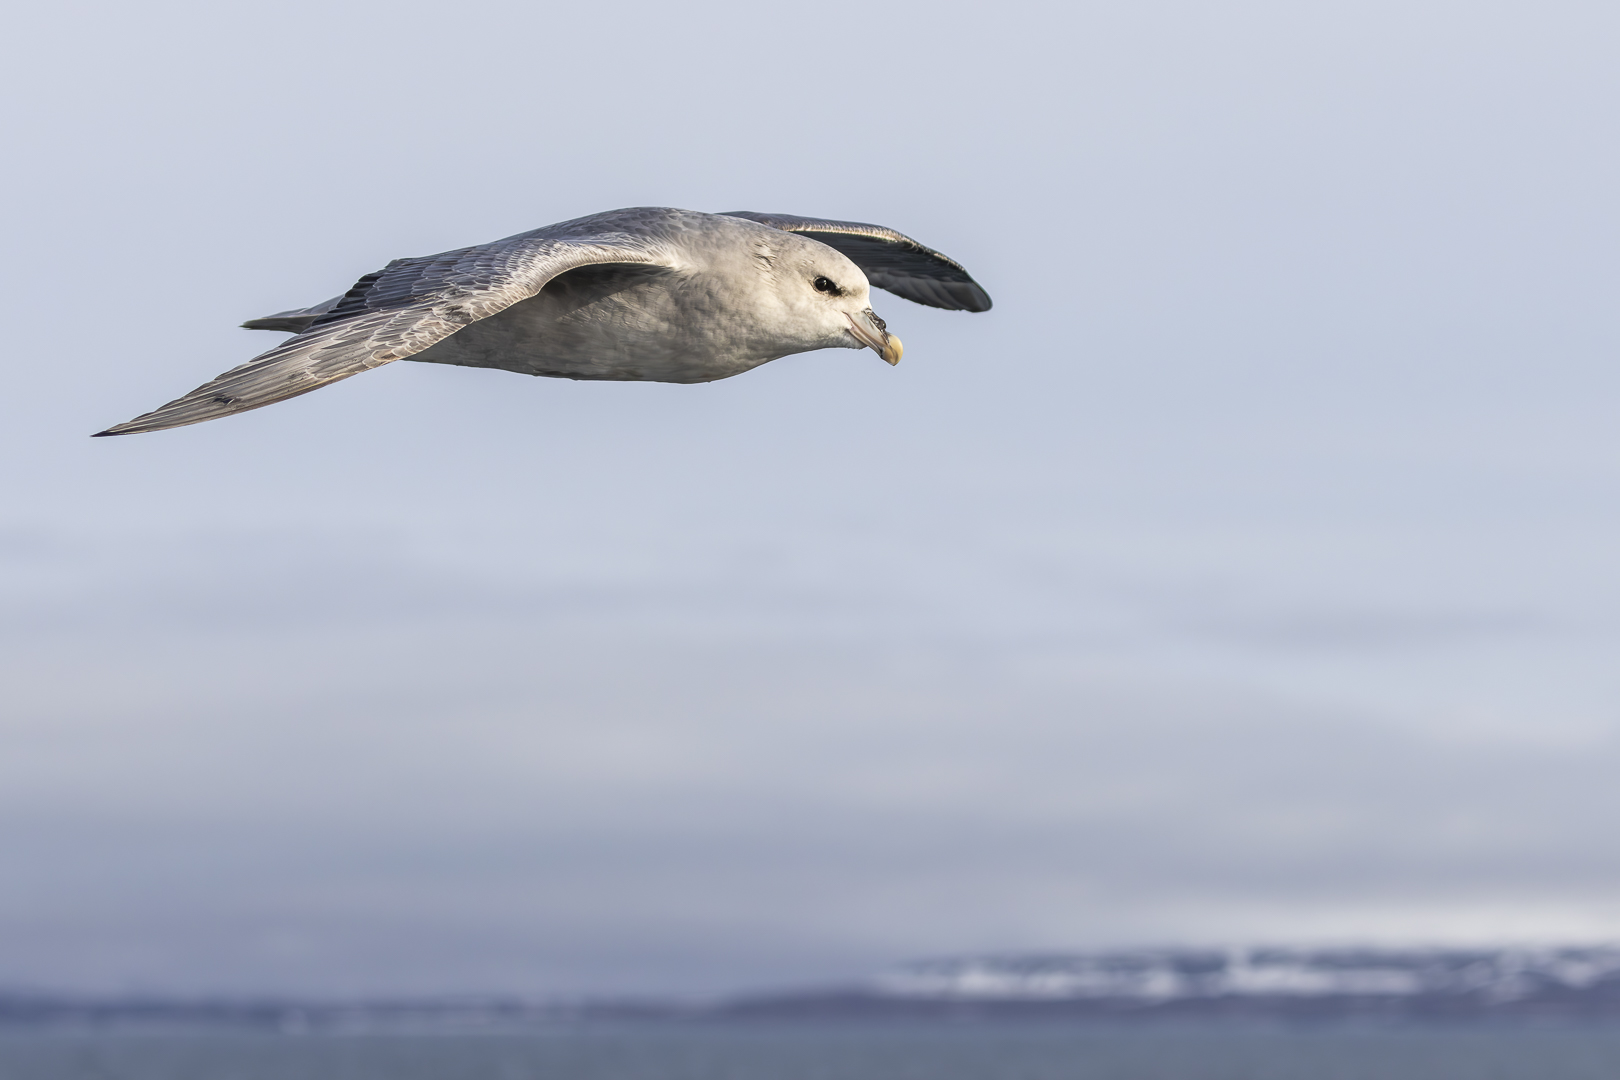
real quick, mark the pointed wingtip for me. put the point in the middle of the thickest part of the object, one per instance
(126, 428)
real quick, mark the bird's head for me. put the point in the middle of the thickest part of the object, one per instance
(823, 298)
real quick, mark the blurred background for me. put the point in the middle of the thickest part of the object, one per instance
(1248, 574)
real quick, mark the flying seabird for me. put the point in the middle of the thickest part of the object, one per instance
(648, 293)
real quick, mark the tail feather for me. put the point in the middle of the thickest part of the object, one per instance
(295, 321)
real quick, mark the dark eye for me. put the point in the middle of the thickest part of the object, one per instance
(825, 284)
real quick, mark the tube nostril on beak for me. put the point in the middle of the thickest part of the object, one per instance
(872, 332)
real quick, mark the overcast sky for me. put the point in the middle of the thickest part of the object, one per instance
(1249, 573)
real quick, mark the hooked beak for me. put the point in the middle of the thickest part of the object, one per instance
(870, 331)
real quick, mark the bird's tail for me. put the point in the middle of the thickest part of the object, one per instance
(295, 321)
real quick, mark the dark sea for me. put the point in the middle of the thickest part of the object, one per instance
(749, 1052)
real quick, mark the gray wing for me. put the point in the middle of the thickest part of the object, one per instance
(396, 312)
(890, 260)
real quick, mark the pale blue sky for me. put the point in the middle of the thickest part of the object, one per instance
(1248, 573)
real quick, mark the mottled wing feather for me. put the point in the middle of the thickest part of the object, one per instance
(394, 313)
(890, 260)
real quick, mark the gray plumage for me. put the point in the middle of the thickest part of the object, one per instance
(640, 294)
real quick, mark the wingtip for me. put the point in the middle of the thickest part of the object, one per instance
(970, 295)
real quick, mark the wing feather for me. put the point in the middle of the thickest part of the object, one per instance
(396, 312)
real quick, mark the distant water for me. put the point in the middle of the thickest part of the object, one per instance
(827, 1053)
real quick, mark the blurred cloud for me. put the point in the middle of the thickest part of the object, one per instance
(1247, 573)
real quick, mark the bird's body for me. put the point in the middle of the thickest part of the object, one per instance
(695, 318)
(649, 294)
(605, 323)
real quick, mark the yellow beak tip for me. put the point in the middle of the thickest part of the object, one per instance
(892, 350)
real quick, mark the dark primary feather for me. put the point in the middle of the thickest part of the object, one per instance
(890, 260)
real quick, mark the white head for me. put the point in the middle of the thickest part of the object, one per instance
(822, 300)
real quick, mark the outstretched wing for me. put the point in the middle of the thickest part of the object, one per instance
(396, 312)
(890, 260)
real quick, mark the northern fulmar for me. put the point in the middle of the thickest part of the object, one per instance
(648, 293)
